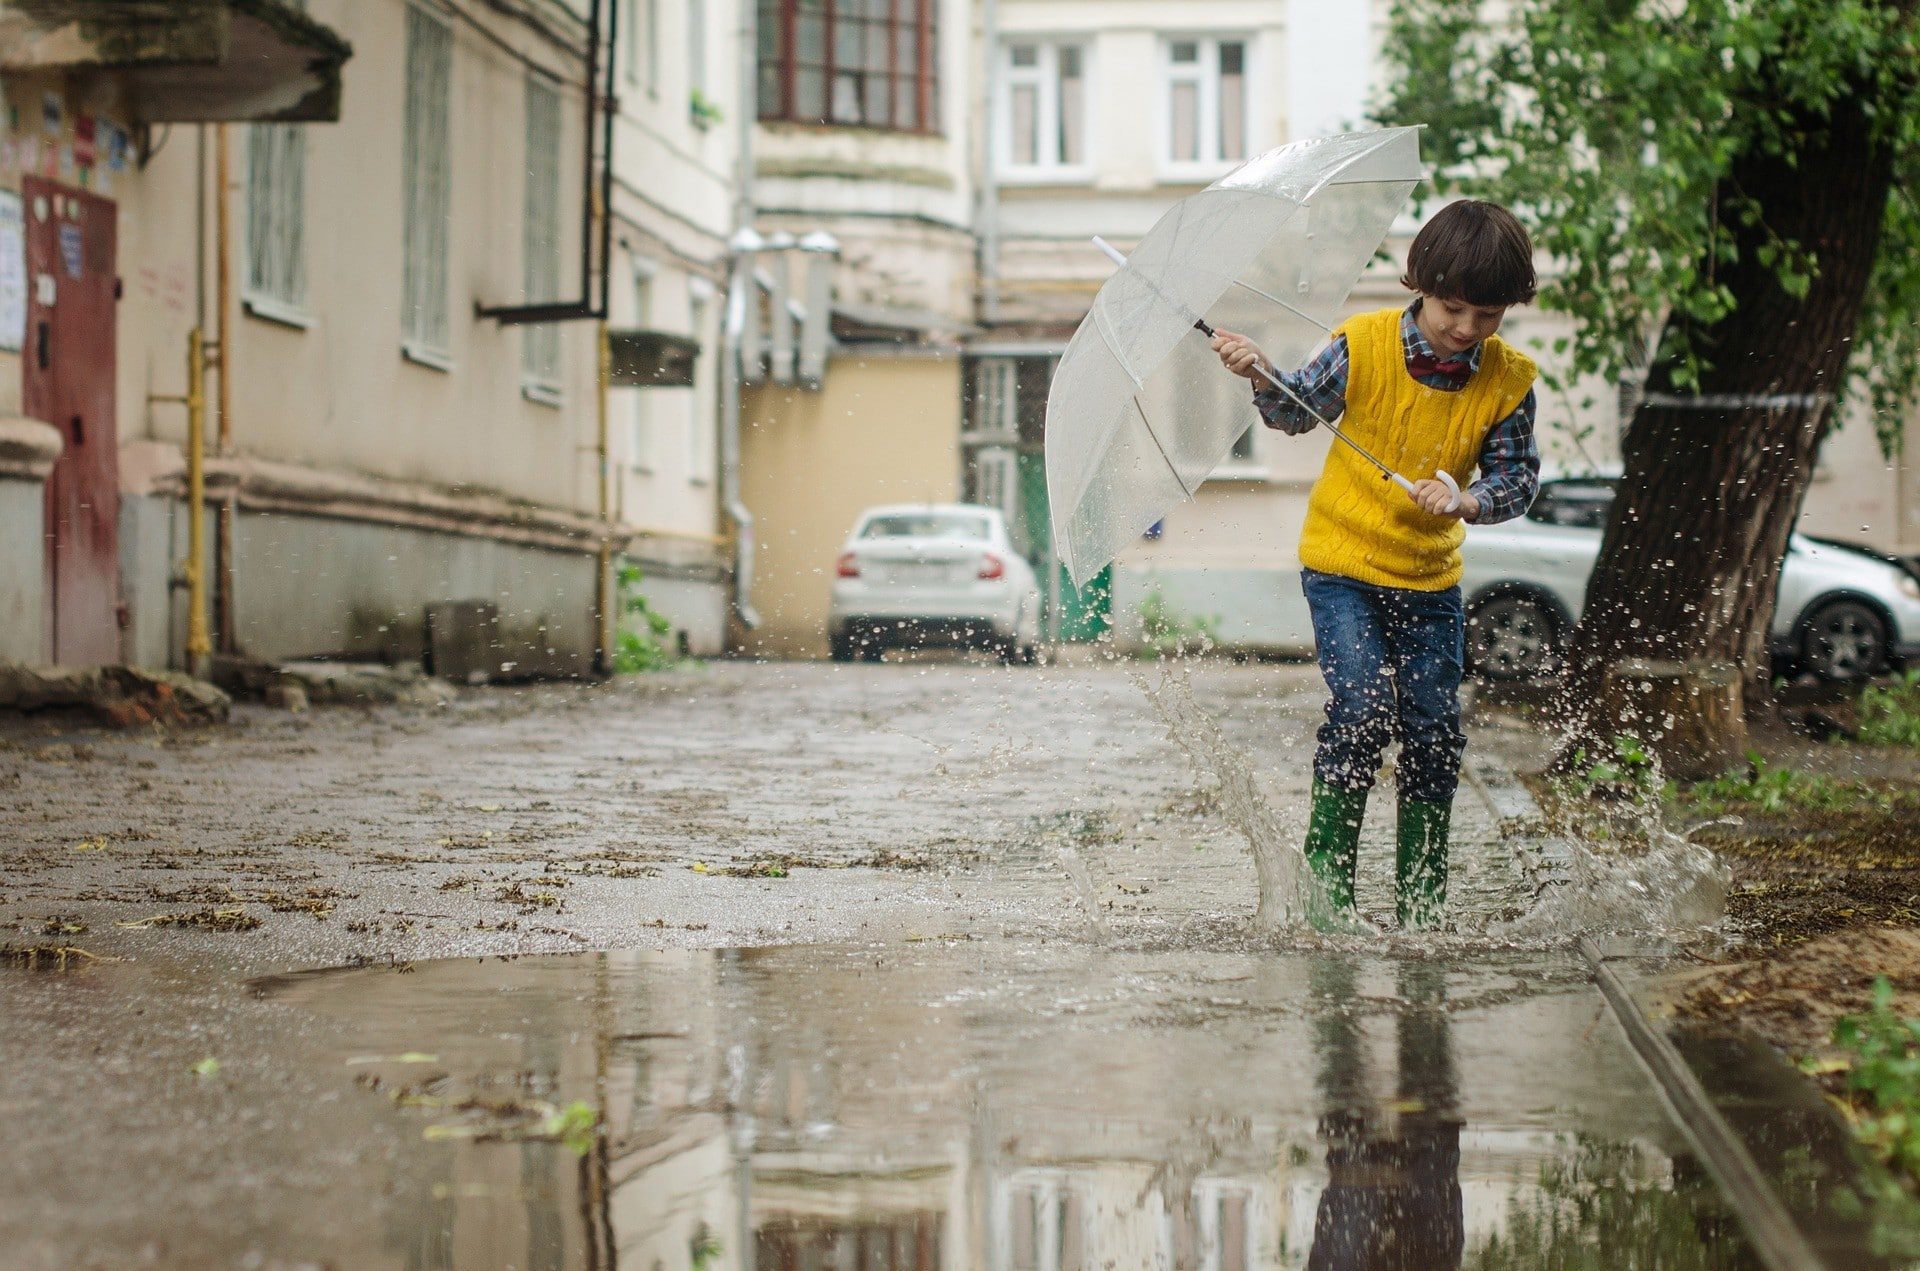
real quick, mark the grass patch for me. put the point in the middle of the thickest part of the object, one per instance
(1878, 1066)
(1890, 713)
(1775, 789)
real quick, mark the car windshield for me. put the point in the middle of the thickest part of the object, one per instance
(926, 525)
(1580, 504)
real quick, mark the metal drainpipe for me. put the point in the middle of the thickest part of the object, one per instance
(223, 600)
(198, 645)
(604, 617)
(739, 292)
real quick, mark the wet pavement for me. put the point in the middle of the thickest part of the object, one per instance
(906, 965)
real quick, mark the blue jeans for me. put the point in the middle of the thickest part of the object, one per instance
(1392, 660)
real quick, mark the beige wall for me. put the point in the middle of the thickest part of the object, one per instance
(339, 394)
(883, 429)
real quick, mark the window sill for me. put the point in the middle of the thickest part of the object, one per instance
(541, 393)
(1194, 173)
(1009, 175)
(423, 355)
(279, 312)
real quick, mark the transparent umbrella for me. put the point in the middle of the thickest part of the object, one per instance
(1140, 410)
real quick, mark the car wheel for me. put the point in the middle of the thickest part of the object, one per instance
(1844, 640)
(1512, 637)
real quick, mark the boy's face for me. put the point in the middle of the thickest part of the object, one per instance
(1452, 326)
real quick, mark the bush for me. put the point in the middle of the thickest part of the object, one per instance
(640, 643)
(1169, 633)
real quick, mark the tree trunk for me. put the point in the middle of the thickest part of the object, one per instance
(1714, 479)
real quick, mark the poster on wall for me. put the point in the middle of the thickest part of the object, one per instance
(13, 274)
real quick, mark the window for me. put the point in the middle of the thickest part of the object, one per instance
(700, 439)
(1206, 103)
(856, 62)
(540, 350)
(947, 525)
(653, 48)
(1043, 101)
(697, 50)
(426, 186)
(276, 221)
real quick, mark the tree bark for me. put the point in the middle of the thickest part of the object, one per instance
(1714, 477)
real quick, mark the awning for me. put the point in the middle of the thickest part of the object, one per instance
(651, 359)
(186, 61)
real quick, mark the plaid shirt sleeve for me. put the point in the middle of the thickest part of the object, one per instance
(1509, 467)
(1321, 384)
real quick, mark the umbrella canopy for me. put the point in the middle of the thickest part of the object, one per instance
(1140, 411)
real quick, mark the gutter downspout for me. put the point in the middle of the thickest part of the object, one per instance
(604, 617)
(224, 623)
(739, 293)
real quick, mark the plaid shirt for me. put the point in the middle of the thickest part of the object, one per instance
(1509, 459)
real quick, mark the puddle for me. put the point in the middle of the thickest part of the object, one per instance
(1000, 1105)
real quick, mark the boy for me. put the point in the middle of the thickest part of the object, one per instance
(1425, 388)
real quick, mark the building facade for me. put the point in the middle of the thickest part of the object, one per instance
(397, 279)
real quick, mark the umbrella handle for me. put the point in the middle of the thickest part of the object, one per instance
(1444, 477)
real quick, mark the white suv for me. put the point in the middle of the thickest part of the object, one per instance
(1843, 612)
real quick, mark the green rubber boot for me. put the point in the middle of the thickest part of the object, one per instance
(1420, 865)
(1332, 848)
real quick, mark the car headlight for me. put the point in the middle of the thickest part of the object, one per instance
(1909, 587)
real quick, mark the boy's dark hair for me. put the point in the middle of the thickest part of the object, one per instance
(1473, 251)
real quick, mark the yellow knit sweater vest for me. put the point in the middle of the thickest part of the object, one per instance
(1363, 526)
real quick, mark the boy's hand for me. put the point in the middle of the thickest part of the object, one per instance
(1239, 354)
(1433, 498)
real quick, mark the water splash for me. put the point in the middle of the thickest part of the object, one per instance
(1672, 887)
(1075, 866)
(1277, 862)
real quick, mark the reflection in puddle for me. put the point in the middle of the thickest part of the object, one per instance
(1018, 1108)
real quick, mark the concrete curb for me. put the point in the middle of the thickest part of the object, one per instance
(1776, 1239)
(1546, 862)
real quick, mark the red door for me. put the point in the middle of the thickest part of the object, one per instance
(68, 382)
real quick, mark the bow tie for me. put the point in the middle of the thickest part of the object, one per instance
(1457, 371)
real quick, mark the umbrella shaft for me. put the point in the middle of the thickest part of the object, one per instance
(1327, 424)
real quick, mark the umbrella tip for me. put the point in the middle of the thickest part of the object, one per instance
(1113, 253)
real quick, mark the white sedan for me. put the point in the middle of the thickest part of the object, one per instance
(943, 573)
(1843, 613)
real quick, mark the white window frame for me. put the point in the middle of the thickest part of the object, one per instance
(630, 39)
(1044, 79)
(696, 13)
(652, 49)
(641, 441)
(1205, 74)
(276, 283)
(426, 309)
(540, 242)
(701, 437)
